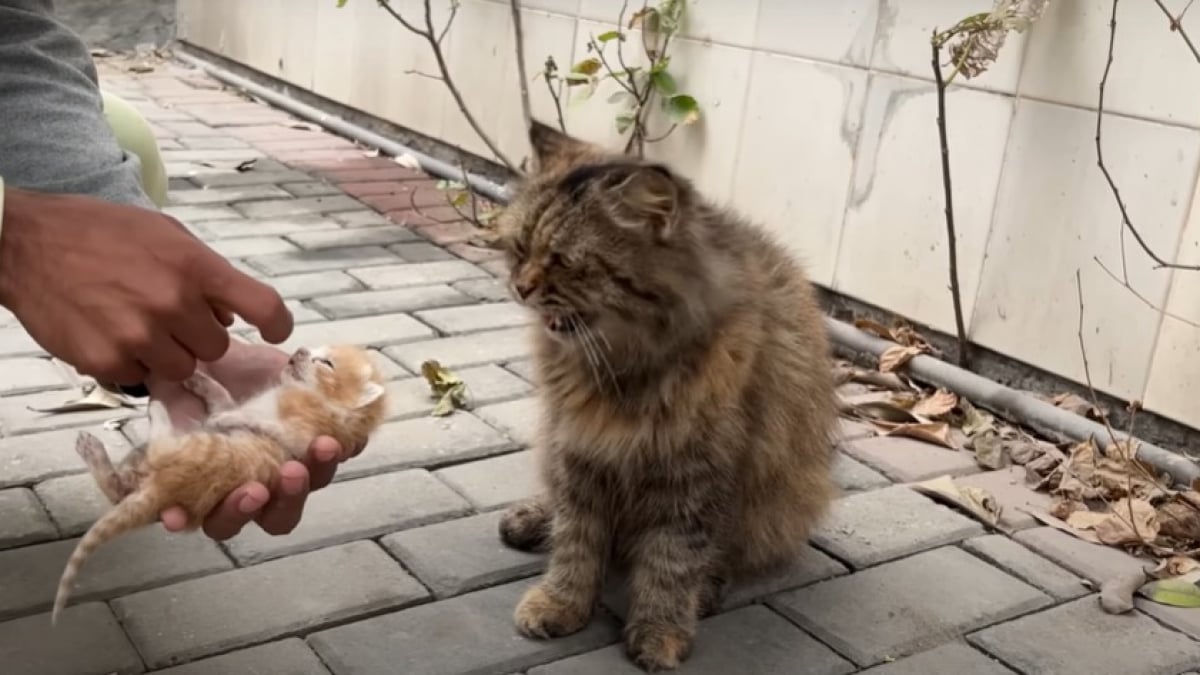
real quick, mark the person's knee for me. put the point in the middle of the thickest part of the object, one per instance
(135, 137)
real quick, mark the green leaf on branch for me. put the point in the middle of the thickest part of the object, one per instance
(642, 16)
(341, 3)
(589, 66)
(608, 36)
(624, 121)
(459, 199)
(682, 109)
(576, 79)
(663, 82)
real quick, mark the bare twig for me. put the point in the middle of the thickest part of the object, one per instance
(1125, 220)
(434, 39)
(462, 166)
(1145, 301)
(964, 353)
(555, 93)
(1177, 26)
(518, 32)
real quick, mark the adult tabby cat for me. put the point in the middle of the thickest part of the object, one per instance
(688, 399)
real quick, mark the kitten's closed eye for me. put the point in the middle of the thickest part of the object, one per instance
(323, 361)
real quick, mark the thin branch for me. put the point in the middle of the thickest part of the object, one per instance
(435, 43)
(1177, 26)
(556, 94)
(1139, 296)
(462, 166)
(518, 31)
(663, 136)
(421, 73)
(1125, 220)
(964, 353)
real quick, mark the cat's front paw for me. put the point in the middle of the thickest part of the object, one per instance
(542, 615)
(657, 645)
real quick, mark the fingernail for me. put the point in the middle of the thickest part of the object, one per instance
(249, 505)
(291, 485)
(327, 454)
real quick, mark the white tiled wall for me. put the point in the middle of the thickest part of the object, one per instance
(818, 121)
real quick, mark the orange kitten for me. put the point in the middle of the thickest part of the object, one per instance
(330, 391)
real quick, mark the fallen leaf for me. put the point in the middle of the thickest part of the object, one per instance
(975, 421)
(990, 451)
(97, 398)
(1063, 508)
(1129, 521)
(935, 405)
(100, 53)
(975, 501)
(245, 166)
(373, 152)
(407, 160)
(1078, 405)
(873, 327)
(1180, 520)
(930, 432)
(445, 386)
(1175, 566)
(304, 126)
(1181, 591)
(880, 410)
(1061, 525)
(895, 357)
(141, 68)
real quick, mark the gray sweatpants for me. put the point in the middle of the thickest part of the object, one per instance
(53, 133)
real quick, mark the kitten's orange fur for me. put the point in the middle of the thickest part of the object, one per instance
(329, 391)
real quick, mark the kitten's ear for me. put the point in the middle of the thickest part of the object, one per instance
(553, 150)
(371, 393)
(649, 196)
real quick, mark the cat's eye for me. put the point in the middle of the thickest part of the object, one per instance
(558, 260)
(323, 361)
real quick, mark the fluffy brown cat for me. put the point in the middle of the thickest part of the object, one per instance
(689, 405)
(330, 391)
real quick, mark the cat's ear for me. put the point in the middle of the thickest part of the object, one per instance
(370, 393)
(553, 150)
(649, 196)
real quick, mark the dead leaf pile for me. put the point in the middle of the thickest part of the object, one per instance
(446, 387)
(910, 343)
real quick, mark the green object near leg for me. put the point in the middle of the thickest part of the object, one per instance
(135, 136)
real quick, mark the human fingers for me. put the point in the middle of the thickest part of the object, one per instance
(239, 508)
(323, 456)
(282, 513)
(174, 519)
(259, 304)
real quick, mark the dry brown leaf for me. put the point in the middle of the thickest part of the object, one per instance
(1180, 520)
(873, 327)
(935, 405)
(990, 451)
(1129, 521)
(94, 398)
(974, 501)
(1176, 565)
(1078, 405)
(931, 432)
(447, 387)
(975, 421)
(1061, 525)
(1063, 508)
(895, 357)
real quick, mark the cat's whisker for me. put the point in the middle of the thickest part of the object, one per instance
(587, 350)
(590, 336)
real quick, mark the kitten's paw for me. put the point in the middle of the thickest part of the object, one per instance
(541, 615)
(526, 525)
(91, 450)
(656, 645)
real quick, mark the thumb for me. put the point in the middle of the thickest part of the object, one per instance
(259, 304)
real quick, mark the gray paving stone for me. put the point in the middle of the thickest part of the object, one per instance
(496, 482)
(74, 502)
(954, 657)
(749, 640)
(365, 218)
(190, 129)
(1013, 494)
(1079, 638)
(284, 597)
(251, 246)
(519, 419)
(854, 476)
(462, 555)
(22, 519)
(25, 460)
(14, 341)
(147, 557)
(311, 189)
(359, 236)
(425, 442)
(464, 351)
(1182, 619)
(321, 260)
(265, 227)
(234, 155)
(286, 657)
(475, 318)
(906, 460)
(364, 303)
(413, 641)
(1093, 562)
(200, 214)
(849, 430)
(227, 195)
(255, 177)
(421, 252)
(87, 641)
(279, 208)
(868, 528)
(1027, 565)
(314, 284)
(26, 375)
(908, 606)
(417, 274)
(488, 290)
(367, 331)
(486, 385)
(522, 368)
(212, 142)
(355, 509)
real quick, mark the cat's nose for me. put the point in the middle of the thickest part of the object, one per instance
(524, 289)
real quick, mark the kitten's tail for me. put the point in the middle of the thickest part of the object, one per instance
(137, 510)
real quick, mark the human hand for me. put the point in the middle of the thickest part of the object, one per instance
(119, 291)
(244, 371)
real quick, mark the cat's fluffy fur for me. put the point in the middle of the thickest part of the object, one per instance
(329, 391)
(689, 404)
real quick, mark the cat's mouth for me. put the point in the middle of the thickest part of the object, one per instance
(557, 323)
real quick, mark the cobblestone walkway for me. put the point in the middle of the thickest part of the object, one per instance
(396, 568)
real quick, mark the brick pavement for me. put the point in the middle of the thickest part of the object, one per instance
(397, 568)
